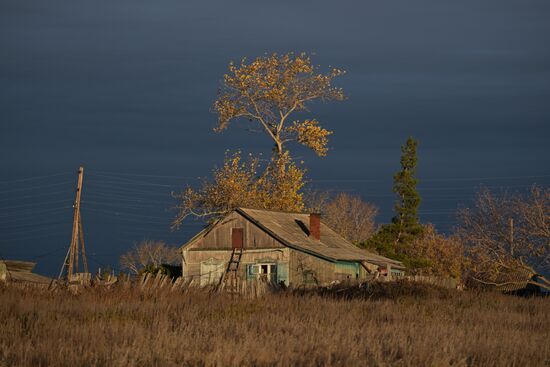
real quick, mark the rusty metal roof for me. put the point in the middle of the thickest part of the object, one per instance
(292, 229)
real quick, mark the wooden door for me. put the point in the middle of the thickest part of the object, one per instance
(237, 238)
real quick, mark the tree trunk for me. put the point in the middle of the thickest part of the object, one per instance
(279, 147)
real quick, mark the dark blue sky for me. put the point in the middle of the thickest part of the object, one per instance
(125, 88)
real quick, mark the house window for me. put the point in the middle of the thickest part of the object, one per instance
(397, 273)
(345, 270)
(267, 271)
(309, 277)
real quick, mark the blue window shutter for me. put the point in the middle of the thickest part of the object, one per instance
(249, 274)
(282, 273)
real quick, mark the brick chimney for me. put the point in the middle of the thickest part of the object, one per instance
(315, 226)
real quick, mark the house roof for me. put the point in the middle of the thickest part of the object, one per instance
(17, 265)
(291, 229)
(21, 271)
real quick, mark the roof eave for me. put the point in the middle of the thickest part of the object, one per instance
(282, 240)
(202, 233)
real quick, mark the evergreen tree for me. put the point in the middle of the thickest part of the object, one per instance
(406, 222)
(419, 247)
(393, 240)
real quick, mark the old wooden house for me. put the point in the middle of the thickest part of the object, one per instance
(293, 248)
(20, 272)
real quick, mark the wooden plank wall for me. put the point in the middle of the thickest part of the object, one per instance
(300, 264)
(220, 236)
(259, 247)
(323, 271)
(194, 257)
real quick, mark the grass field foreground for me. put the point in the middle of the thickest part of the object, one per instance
(424, 326)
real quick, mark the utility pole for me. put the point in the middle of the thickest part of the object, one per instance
(71, 259)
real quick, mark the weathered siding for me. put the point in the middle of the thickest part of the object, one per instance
(206, 259)
(220, 236)
(303, 269)
(310, 270)
(193, 258)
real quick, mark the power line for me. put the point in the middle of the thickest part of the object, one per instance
(125, 183)
(102, 264)
(33, 204)
(127, 198)
(132, 220)
(123, 190)
(462, 188)
(147, 175)
(470, 188)
(118, 205)
(35, 178)
(429, 198)
(464, 196)
(36, 196)
(35, 187)
(116, 213)
(50, 253)
(482, 178)
(433, 179)
(33, 237)
(30, 225)
(32, 212)
(158, 230)
(146, 233)
(156, 227)
(153, 197)
(30, 230)
(131, 181)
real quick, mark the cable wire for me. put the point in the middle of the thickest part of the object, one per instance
(35, 187)
(33, 237)
(147, 175)
(116, 213)
(36, 178)
(33, 204)
(32, 212)
(25, 197)
(131, 181)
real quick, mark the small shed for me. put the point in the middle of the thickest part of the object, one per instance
(290, 248)
(20, 272)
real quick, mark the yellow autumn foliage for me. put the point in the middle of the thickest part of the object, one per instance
(268, 90)
(238, 184)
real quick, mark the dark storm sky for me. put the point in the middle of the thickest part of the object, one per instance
(124, 88)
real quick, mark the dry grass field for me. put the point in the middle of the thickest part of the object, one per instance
(391, 326)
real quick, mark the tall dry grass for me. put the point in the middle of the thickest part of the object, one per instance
(388, 327)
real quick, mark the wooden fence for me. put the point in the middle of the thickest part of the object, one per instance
(150, 283)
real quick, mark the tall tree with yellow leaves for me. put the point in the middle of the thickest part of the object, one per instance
(269, 90)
